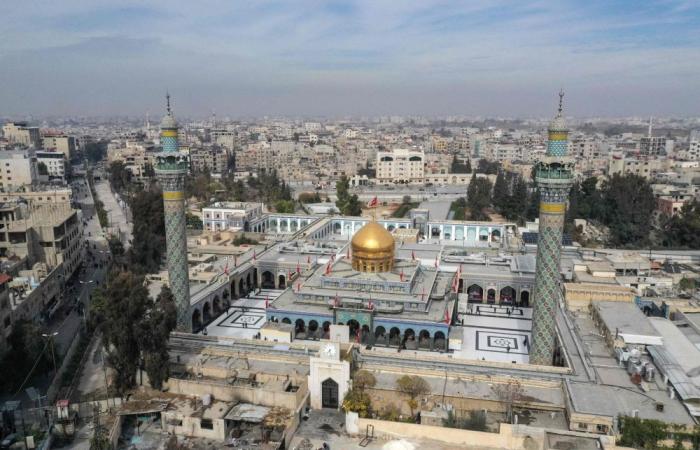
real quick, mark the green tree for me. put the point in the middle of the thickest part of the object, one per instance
(488, 167)
(309, 197)
(458, 167)
(348, 205)
(25, 347)
(42, 169)
(629, 205)
(358, 401)
(500, 191)
(683, 229)
(95, 151)
(119, 176)
(125, 305)
(641, 433)
(284, 206)
(478, 197)
(469, 166)
(147, 252)
(413, 386)
(153, 334)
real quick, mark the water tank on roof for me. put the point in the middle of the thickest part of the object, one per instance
(206, 400)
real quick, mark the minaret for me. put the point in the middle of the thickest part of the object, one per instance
(171, 168)
(554, 177)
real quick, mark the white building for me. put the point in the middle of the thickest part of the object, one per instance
(228, 215)
(400, 166)
(18, 168)
(51, 165)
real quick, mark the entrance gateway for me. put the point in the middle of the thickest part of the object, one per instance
(329, 394)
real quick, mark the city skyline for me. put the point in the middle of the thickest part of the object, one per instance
(351, 58)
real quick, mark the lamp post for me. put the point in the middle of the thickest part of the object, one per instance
(50, 337)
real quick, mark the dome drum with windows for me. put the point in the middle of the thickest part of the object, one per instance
(372, 249)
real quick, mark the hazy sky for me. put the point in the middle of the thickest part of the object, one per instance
(302, 57)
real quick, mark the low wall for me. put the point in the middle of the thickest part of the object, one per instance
(226, 392)
(470, 439)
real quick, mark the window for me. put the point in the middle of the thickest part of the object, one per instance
(582, 426)
(206, 424)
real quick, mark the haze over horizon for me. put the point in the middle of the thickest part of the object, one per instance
(489, 58)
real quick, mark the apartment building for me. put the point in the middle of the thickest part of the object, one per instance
(400, 165)
(51, 166)
(60, 143)
(21, 134)
(18, 168)
(212, 159)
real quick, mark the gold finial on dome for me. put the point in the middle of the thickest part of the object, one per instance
(372, 249)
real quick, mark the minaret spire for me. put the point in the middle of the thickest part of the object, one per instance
(167, 102)
(561, 100)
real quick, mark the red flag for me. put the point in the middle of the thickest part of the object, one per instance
(372, 203)
(328, 268)
(448, 319)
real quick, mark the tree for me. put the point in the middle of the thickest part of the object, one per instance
(687, 284)
(153, 334)
(478, 197)
(683, 229)
(641, 433)
(42, 169)
(25, 347)
(458, 167)
(125, 305)
(357, 401)
(119, 176)
(309, 197)
(509, 393)
(363, 379)
(500, 191)
(95, 151)
(348, 205)
(488, 167)
(284, 206)
(413, 386)
(629, 205)
(147, 252)
(469, 166)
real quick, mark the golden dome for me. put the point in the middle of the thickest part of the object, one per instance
(372, 249)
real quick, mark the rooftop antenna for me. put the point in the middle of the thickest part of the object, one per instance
(650, 121)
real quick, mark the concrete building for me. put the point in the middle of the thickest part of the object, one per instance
(212, 159)
(51, 166)
(60, 143)
(400, 166)
(20, 133)
(652, 146)
(18, 168)
(230, 215)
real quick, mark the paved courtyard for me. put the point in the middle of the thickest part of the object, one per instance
(244, 317)
(496, 333)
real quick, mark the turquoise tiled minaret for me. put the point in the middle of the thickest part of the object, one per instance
(171, 168)
(554, 177)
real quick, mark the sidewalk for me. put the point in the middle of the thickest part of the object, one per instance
(116, 214)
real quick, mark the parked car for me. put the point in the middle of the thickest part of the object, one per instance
(8, 441)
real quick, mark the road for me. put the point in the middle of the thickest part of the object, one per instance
(393, 192)
(116, 213)
(66, 322)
